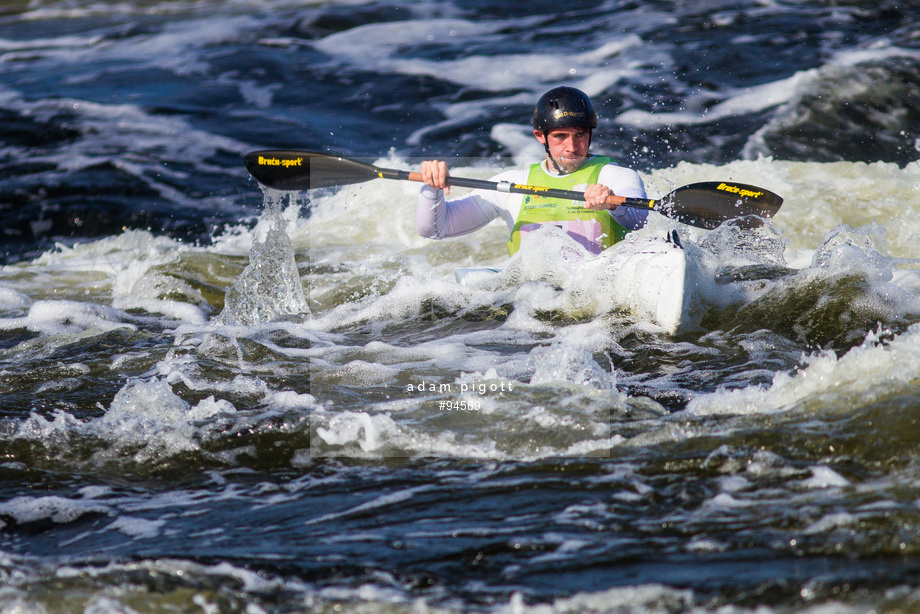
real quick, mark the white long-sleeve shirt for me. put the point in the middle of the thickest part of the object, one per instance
(438, 218)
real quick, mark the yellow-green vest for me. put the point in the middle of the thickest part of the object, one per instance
(542, 210)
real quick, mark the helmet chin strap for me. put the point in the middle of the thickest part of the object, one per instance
(550, 156)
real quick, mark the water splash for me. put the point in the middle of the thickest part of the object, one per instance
(269, 288)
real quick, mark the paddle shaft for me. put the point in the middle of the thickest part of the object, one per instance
(517, 188)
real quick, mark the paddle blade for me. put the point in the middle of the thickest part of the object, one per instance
(305, 170)
(708, 204)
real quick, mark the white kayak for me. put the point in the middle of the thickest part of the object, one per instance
(652, 277)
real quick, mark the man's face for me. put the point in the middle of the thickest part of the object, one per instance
(568, 146)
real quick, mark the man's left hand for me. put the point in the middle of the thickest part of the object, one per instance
(596, 197)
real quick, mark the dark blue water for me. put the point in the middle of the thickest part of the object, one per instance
(182, 433)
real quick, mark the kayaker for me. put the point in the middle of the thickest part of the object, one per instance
(563, 122)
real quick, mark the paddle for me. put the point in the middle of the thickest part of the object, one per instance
(705, 205)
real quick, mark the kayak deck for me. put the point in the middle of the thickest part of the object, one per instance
(647, 277)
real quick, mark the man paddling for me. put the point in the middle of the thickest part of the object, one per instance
(563, 122)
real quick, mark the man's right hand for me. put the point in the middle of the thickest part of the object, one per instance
(434, 173)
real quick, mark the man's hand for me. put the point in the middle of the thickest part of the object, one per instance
(434, 173)
(596, 197)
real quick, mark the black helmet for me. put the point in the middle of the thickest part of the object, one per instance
(564, 107)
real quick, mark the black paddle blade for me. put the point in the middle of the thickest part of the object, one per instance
(304, 170)
(708, 204)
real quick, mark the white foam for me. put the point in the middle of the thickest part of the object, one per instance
(594, 70)
(247, 581)
(182, 312)
(146, 420)
(140, 528)
(383, 39)
(725, 502)
(11, 300)
(67, 318)
(94, 492)
(830, 522)
(825, 477)
(892, 364)
(733, 103)
(378, 45)
(288, 400)
(699, 108)
(382, 501)
(55, 508)
(639, 598)
(126, 269)
(368, 431)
